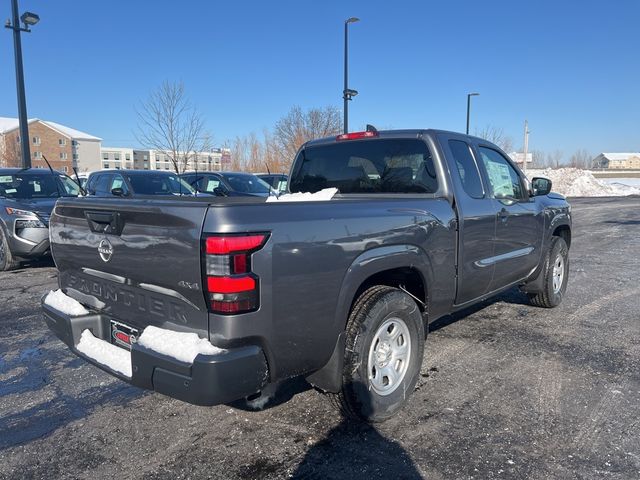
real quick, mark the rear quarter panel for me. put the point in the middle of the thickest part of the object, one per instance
(317, 256)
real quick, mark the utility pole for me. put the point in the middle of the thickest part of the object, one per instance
(526, 146)
(28, 19)
(347, 94)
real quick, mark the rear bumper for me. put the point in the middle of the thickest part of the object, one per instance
(209, 380)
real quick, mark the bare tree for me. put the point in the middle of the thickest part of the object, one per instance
(554, 159)
(539, 159)
(167, 121)
(298, 127)
(497, 136)
(580, 159)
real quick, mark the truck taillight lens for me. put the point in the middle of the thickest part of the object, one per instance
(231, 286)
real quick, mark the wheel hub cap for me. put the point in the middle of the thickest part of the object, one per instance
(389, 356)
(558, 273)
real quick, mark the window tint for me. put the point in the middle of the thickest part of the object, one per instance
(467, 168)
(28, 186)
(101, 184)
(204, 183)
(505, 181)
(159, 184)
(368, 166)
(117, 181)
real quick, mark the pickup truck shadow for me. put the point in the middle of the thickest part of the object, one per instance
(281, 393)
(355, 449)
(513, 296)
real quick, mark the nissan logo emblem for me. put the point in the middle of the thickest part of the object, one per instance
(105, 249)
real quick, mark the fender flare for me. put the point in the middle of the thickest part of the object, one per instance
(373, 261)
(534, 283)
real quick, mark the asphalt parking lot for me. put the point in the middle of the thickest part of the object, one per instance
(507, 391)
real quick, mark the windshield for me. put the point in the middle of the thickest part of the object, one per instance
(247, 184)
(156, 184)
(37, 185)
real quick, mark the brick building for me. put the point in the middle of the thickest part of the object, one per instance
(62, 146)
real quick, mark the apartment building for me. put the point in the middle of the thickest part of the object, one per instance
(64, 147)
(201, 161)
(115, 157)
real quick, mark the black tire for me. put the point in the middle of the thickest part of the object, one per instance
(7, 260)
(551, 296)
(358, 398)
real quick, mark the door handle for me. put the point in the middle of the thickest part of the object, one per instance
(503, 215)
(104, 222)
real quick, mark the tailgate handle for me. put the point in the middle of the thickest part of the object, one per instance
(105, 222)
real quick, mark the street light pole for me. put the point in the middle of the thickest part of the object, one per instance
(27, 18)
(347, 94)
(469, 95)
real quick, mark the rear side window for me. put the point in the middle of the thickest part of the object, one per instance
(366, 166)
(467, 168)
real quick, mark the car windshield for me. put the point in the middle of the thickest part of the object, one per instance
(247, 184)
(159, 184)
(37, 185)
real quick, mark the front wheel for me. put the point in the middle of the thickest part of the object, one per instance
(7, 260)
(383, 354)
(555, 275)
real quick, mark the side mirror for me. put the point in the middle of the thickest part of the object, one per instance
(540, 186)
(118, 192)
(219, 191)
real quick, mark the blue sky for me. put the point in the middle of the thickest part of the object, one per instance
(572, 68)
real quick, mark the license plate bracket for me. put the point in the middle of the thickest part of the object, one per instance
(123, 335)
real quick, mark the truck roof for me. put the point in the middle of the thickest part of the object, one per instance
(407, 133)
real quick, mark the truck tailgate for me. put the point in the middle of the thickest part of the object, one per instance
(136, 260)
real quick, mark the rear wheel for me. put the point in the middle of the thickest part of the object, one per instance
(7, 260)
(555, 275)
(383, 354)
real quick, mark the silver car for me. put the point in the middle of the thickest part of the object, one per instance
(27, 197)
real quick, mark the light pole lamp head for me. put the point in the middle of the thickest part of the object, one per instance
(30, 18)
(352, 20)
(350, 93)
(475, 94)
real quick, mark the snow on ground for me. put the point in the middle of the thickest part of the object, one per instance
(574, 182)
(629, 182)
(322, 195)
(116, 358)
(179, 345)
(64, 303)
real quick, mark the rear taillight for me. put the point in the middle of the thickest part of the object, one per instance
(231, 286)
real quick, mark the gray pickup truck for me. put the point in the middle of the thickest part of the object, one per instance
(425, 223)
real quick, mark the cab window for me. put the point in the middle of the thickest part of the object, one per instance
(505, 181)
(467, 168)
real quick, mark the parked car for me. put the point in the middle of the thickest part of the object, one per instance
(341, 291)
(228, 184)
(278, 181)
(128, 183)
(82, 178)
(26, 199)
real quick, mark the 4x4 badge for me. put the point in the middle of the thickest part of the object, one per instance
(105, 249)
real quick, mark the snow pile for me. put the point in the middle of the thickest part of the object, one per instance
(64, 303)
(321, 196)
(179, 345)
(575, 182)
(116, 358)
